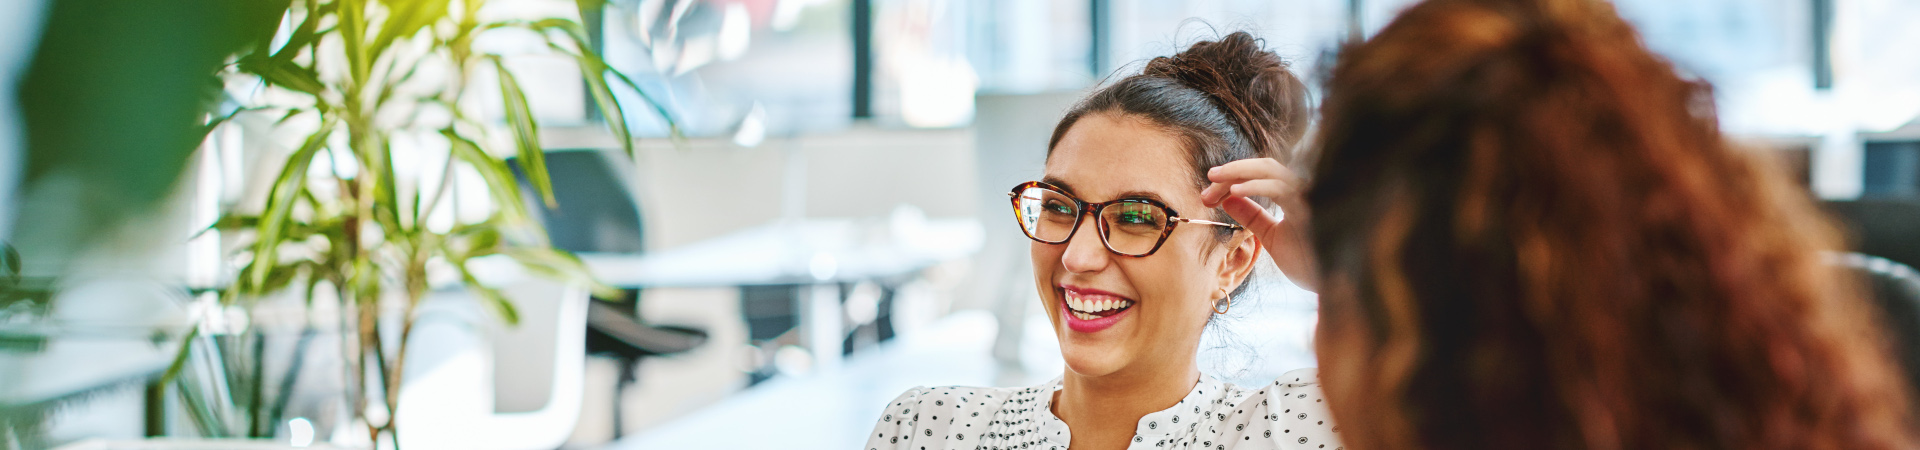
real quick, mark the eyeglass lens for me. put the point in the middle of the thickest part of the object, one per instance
(1131, 228)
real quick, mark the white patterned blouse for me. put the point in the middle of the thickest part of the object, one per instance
(1289, 414)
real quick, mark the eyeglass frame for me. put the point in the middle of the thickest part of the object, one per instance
(1094, 209)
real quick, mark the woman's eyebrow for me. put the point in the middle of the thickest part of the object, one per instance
(1142, 195)
(1056, 182)
(1062, 184)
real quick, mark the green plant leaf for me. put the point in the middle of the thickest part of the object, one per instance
(589, 5)
(673, 126)
(314, 278)
(352, 27)
(406, 18)
(262, 32)
(284, 74)
(217, 121)
(568, 26)
(499, 178)
(305, 34)
(478, 240)
(526, 134)
(11, 259)
(386, 203)
(291, 113)
(229, 222)
(559, 265)
(195, 400)
(594, 71)
(280, 201)
(281, 277)
(491, 297)
(366, 282)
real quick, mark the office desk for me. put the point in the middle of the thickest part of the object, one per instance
(836, 408)
(794, 277)
(812, 251)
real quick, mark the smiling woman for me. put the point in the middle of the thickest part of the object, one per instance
(1129, 282)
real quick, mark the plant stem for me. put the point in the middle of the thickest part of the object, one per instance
(256, 387)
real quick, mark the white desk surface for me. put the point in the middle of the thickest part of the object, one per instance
(835, 408)
(799, 252)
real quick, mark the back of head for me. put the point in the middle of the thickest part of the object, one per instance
(1534, 236)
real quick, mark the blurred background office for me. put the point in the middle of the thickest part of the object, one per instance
(783, 212)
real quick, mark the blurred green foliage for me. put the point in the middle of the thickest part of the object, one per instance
(115, 99)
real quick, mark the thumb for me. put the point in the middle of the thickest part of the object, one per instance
(1250, 215)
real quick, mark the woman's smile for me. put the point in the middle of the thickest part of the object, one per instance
(1092, 310)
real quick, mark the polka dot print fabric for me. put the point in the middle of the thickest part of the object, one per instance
(1289, 414)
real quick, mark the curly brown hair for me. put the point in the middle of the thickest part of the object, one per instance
(1535, 236)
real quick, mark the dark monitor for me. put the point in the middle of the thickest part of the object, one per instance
(594, 211)
(1891, 170)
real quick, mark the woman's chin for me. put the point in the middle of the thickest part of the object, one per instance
(1093, 360)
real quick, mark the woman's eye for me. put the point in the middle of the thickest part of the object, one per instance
(1058, 207)
(1136, 217)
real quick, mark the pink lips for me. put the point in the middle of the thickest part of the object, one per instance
(1089, 326)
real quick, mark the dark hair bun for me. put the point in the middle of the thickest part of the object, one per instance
(1250, 84)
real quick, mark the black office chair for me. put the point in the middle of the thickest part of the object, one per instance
(1895, 289)
(595, 213)
(1887, 228)
(1885, 233)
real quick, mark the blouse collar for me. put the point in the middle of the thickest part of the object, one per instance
(1181, 419)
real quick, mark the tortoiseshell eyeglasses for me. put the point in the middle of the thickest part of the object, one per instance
(1130, 226)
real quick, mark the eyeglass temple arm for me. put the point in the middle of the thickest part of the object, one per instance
(1207, 222)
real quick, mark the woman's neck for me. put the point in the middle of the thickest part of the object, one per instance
(1103, 411)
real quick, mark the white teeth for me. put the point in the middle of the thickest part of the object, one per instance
(1082, 305)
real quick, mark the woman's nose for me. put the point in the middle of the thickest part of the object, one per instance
(1085, 252)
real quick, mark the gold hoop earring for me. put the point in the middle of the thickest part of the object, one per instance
(1222, 305)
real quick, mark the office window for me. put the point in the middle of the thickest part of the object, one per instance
(787, 65)
(922, 74)
(1027, 46)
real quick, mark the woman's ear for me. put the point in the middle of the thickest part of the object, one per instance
(1242, 252)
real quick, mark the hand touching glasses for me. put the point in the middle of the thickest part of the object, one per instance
(1284, 236)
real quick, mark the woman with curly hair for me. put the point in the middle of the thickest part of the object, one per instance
(1531, 234)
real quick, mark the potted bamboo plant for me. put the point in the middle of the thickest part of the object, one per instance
(344, 227)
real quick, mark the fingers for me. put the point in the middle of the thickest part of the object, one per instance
(1250, 215)
(1251, 169)
(1261, 177)
(1272, 189)
(1283, 237)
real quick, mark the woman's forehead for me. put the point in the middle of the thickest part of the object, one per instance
(1106, 156)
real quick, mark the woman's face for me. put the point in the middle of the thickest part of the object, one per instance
(1163, 299)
